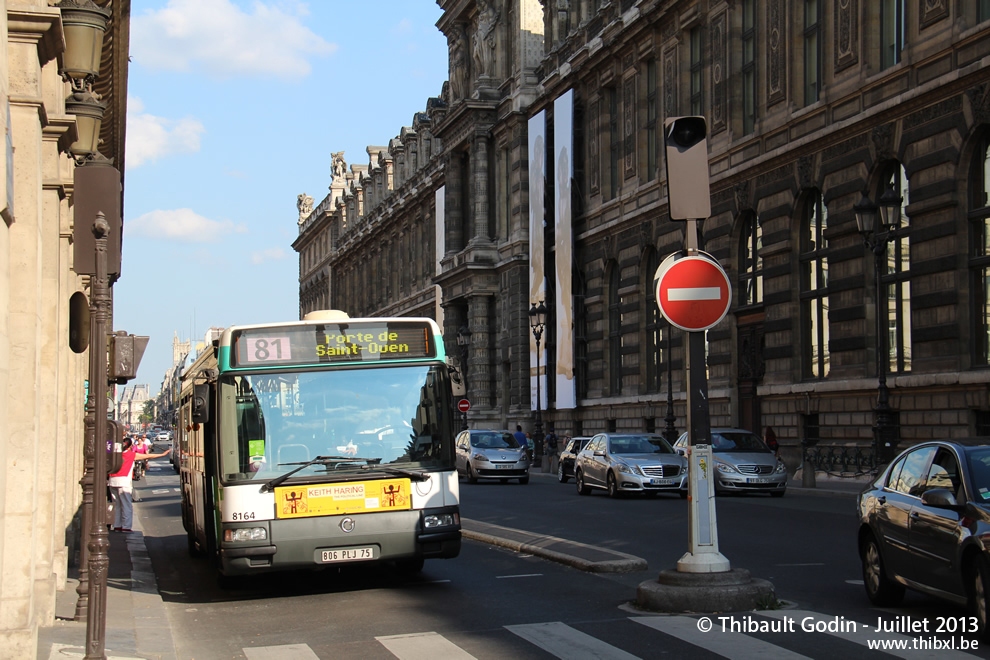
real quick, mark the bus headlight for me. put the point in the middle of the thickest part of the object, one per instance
(245, 534)
(434, 520)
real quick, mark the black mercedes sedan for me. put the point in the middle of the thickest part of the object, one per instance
(924, 524)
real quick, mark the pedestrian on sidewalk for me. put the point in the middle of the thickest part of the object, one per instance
(121, 484)
(770, 438)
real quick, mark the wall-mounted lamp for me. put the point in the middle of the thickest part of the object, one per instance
(89, 118)
(83, 23)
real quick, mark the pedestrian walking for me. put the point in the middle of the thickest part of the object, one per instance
(122, 487)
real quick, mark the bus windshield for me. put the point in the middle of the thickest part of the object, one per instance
(273, 422)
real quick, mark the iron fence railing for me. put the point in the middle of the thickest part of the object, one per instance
(856, 459)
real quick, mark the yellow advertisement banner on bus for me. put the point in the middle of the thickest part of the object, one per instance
(340, 498)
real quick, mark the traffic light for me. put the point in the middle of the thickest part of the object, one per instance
(126, 352)
(686, 145)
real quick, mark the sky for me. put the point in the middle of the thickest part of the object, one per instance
(234, 108)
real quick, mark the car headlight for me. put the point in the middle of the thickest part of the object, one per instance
(479, 457)
(725, 467)
(780, 467)
(245, 534)
(625, 469)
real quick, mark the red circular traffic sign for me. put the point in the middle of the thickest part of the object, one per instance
(693, 292)
(464, 405)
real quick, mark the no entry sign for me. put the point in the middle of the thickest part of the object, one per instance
(464, 405)
(693, 292)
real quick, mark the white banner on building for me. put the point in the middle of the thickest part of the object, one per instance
(563, 141)
(439, 227)
(537, 269)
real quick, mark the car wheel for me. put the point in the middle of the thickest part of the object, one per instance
(880, 589)
(613, 485)
(979, 589)
(582, 489)
(561, 475)
(777, 493)
(471, 477)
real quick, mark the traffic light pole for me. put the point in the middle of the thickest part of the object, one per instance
(703, 555)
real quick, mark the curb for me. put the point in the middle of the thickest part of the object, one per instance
(584, 557)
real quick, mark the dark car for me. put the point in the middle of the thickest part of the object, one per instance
(565, 464)
(924, 523)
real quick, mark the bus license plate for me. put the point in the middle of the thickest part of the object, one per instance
(346, 554)
(661, 482)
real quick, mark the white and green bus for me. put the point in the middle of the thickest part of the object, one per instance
(319, 442)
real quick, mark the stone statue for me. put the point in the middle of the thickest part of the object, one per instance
(338, 167)
(305, 205)
(484, 40)
(458, 64)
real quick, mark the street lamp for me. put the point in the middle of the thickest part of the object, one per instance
(876, 239)
(464, 341)
(537, 321)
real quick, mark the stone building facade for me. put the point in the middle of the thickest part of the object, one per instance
(42, 381)
(809, 106)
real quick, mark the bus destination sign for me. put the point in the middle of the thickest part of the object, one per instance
(328, 343)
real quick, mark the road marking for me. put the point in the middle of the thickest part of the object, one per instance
(159, 491)
(730, 644)
(423, 646)
(689, 293)
(865, 633)
(508, 577)
(562, 641)
(283, 652)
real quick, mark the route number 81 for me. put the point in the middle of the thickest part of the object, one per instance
(268, 349)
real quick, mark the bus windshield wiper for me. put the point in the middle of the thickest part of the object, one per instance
(272, 484)
(412, 474)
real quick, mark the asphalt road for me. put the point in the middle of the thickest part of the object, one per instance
(495, 603)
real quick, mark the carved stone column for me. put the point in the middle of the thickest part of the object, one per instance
(479, 183)
(453, 208)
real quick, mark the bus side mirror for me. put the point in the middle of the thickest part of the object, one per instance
(201, 404)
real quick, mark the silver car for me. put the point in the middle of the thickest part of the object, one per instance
(743, 463)
(491, 454)
(630, 463)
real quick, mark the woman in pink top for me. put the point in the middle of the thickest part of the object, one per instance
(122, 485)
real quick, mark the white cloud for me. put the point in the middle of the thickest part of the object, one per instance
(183, 225)
(150, 138)
(271, 254)
(224, 41)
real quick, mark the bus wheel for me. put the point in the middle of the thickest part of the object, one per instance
(410, 566)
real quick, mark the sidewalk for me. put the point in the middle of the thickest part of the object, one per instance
(136, 622)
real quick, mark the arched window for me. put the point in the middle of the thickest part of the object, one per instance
(614, 331)
(979, 254)
(814, 287)
(896, 298)
(751, 263)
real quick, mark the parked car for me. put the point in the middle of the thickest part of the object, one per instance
(924, 523)
(743, 463)
(630, 463)
(491, 454)
(565, 463)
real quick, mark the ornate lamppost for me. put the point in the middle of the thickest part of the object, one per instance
(537, 321)
(464, 341)
(876, 239)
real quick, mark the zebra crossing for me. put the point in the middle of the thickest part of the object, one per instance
(672, 636)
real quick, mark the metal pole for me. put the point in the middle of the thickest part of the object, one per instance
(538, 431)
(670, 431)
(98, 542)
(882, 428)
